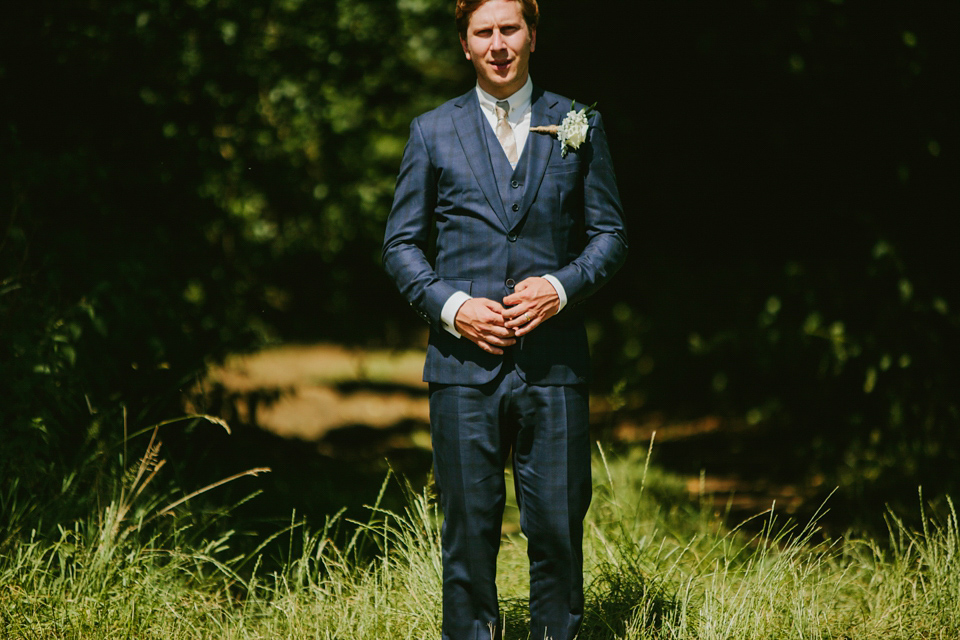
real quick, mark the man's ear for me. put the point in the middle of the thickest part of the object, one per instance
(463, 43)
(533, 40)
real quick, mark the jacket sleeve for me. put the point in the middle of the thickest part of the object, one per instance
(408, 231)
(606, 235)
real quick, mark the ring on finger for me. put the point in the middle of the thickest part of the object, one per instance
(526, 317)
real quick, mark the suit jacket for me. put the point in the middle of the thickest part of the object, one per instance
(453, 227)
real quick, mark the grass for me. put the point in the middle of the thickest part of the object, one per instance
(657, 566)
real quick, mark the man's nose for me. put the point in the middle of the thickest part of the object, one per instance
(497, 39)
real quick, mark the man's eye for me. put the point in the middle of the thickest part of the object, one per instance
(484, 33)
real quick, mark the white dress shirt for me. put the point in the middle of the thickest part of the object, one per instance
(519, 120)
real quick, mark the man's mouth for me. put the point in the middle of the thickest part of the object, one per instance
(500, 65)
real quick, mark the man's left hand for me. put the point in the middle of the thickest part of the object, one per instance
(533, 301)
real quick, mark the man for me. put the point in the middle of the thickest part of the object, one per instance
(525, 230)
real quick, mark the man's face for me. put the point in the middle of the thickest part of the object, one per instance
(499, 44)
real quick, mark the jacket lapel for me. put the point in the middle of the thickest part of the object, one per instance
(538, 148)
(467, 119)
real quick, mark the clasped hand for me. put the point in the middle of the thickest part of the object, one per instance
(492, 325)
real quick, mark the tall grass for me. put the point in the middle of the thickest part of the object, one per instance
(658, 566)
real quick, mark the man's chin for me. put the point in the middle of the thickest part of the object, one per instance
(501, 82)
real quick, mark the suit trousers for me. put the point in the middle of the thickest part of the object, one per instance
(475, 429)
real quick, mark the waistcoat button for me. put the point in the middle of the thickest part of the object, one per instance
(510, 283)
(515, 207)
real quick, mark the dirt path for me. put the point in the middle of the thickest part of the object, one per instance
(309, 391)
(352, 403)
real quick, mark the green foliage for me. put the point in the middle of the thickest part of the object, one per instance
(800, 273)
(174, 172)
(852, 363)
(878, 343)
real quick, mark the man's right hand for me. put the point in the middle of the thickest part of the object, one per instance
(480, 320)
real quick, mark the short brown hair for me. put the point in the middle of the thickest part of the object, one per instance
(465, 9)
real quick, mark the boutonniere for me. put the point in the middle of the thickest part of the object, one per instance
(572, 131)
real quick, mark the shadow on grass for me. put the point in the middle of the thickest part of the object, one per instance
(309, 480)
(615, 601)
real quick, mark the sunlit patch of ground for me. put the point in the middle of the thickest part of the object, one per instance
(320, 364)
(305, 391)
(352, 401)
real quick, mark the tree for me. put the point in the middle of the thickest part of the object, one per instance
(174, 172)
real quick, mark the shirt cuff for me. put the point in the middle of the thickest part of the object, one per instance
(560, 292)
(448, 315)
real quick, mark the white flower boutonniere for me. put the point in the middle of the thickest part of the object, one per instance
(572, 132)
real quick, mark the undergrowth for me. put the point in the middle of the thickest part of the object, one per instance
(144, 565)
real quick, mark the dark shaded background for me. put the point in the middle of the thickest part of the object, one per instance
(180, 180)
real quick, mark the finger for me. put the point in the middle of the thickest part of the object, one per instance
(513, 299)
(528, 327)
(524, 318)
(498, 341)
(493, 345)
(499, 330)
(489, 331)
(514, 312)
(492, 305)
(522, 306)
(489, 348)
(494, 317)
(483, 342)
(504, 341)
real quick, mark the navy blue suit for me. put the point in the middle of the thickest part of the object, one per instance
(493, 227)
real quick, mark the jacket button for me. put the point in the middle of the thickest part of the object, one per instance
(512, 237)
(510, 283)
(514, 184)
(515, 207)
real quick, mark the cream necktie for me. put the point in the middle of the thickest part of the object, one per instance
(505, 133)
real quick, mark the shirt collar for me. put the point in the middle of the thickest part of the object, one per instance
(519, 101)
